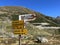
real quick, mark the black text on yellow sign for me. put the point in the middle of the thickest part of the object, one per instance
(18, 27)
(20, 31)
(18, 24)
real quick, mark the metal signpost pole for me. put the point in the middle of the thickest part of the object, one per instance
(19, 39)
(20, 35)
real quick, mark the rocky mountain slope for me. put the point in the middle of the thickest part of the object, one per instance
(6, 30)
(6, 13)
(14, 10)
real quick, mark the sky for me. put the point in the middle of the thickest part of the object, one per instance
(46, 7)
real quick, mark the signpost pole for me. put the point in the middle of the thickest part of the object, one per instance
(19, 39)
(20, 35)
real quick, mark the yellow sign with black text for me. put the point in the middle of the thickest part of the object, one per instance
(18, 24)
(20, 31)
(18, 27)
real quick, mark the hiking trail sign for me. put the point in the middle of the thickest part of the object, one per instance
(18, 24)
(18, 27)
(19, 21)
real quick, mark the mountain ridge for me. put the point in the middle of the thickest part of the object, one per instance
(18, 10)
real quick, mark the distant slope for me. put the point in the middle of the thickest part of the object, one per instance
(35, 31)
(57, 20)
(15, 10)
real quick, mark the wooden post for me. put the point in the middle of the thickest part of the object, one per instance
(19, 39)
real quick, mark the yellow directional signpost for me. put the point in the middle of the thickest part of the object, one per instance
(18, 27)
(18, 24)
